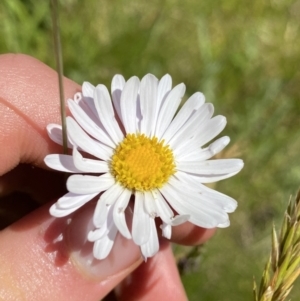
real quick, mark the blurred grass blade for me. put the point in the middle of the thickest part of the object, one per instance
(59, 67)
(275, 249)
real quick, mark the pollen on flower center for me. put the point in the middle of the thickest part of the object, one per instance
(142, 163)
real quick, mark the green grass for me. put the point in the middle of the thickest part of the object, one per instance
(244, 56)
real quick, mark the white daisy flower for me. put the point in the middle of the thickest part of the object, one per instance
(142, 148)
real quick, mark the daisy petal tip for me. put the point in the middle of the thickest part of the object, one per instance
(55, 211)
(98, 253)
(180, 219)
(87, 89)
(118, 82)
(201, 97)
(231, 207)
(240, 164)
(46, 160)
(91, 236)
(224, 225)
(166, 230)
(222, 119)
(126, 234)
(182, 88)
(50, 126)
(225, 140)
(117, 76)
(219, 145)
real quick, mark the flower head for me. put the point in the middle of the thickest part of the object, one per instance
(138, 146)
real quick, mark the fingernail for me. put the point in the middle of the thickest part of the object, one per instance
(123, 255)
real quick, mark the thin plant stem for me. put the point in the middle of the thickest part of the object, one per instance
(59, 67)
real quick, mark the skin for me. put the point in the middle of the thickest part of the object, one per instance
(41, 257)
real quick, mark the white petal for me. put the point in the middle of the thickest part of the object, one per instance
(100, 213)
(58, 212)
(103, 246)
(77, 97)
(97, 233)
(83, 184)
(201, 214)
(166, 213)
(195, 199)
(164, 87)
(106, 113)
(88, 165)
(148, 103)
(104, 229)
(218, 145)
(119, 215)
(150, 204)
(216, 178)
(129, 104)
(72, 200)
(189, 107)
(209, 131)
(166, 230)
(163, 209)
(211, 167)
(151, 247)
(87, 89)
(192, 126)
(117, 85)
(107, 199)
(111, 194)
(199, 154)
(87, 123)
(88, 106)
(85, 142)
(180, 219)
(226, 202)
(196, 155)
(141, 220)
(169, 109)
(87, 103)
(55, 134)
(229, 204)
(61, 163)
(224, 225)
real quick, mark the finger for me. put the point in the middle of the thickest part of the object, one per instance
(43, 258)
(157, 279)
(29, 100)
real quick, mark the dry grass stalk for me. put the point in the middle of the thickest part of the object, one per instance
(283, 266)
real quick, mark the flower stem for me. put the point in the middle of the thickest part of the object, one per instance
(59, 67)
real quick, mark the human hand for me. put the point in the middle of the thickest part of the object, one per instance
(44, 258)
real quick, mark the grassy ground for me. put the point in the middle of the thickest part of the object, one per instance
(244, 56)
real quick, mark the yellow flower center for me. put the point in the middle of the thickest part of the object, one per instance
(142, 163)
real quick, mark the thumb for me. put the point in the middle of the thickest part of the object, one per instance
(43, 258)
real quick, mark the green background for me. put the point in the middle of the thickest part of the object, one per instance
(243, 55)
